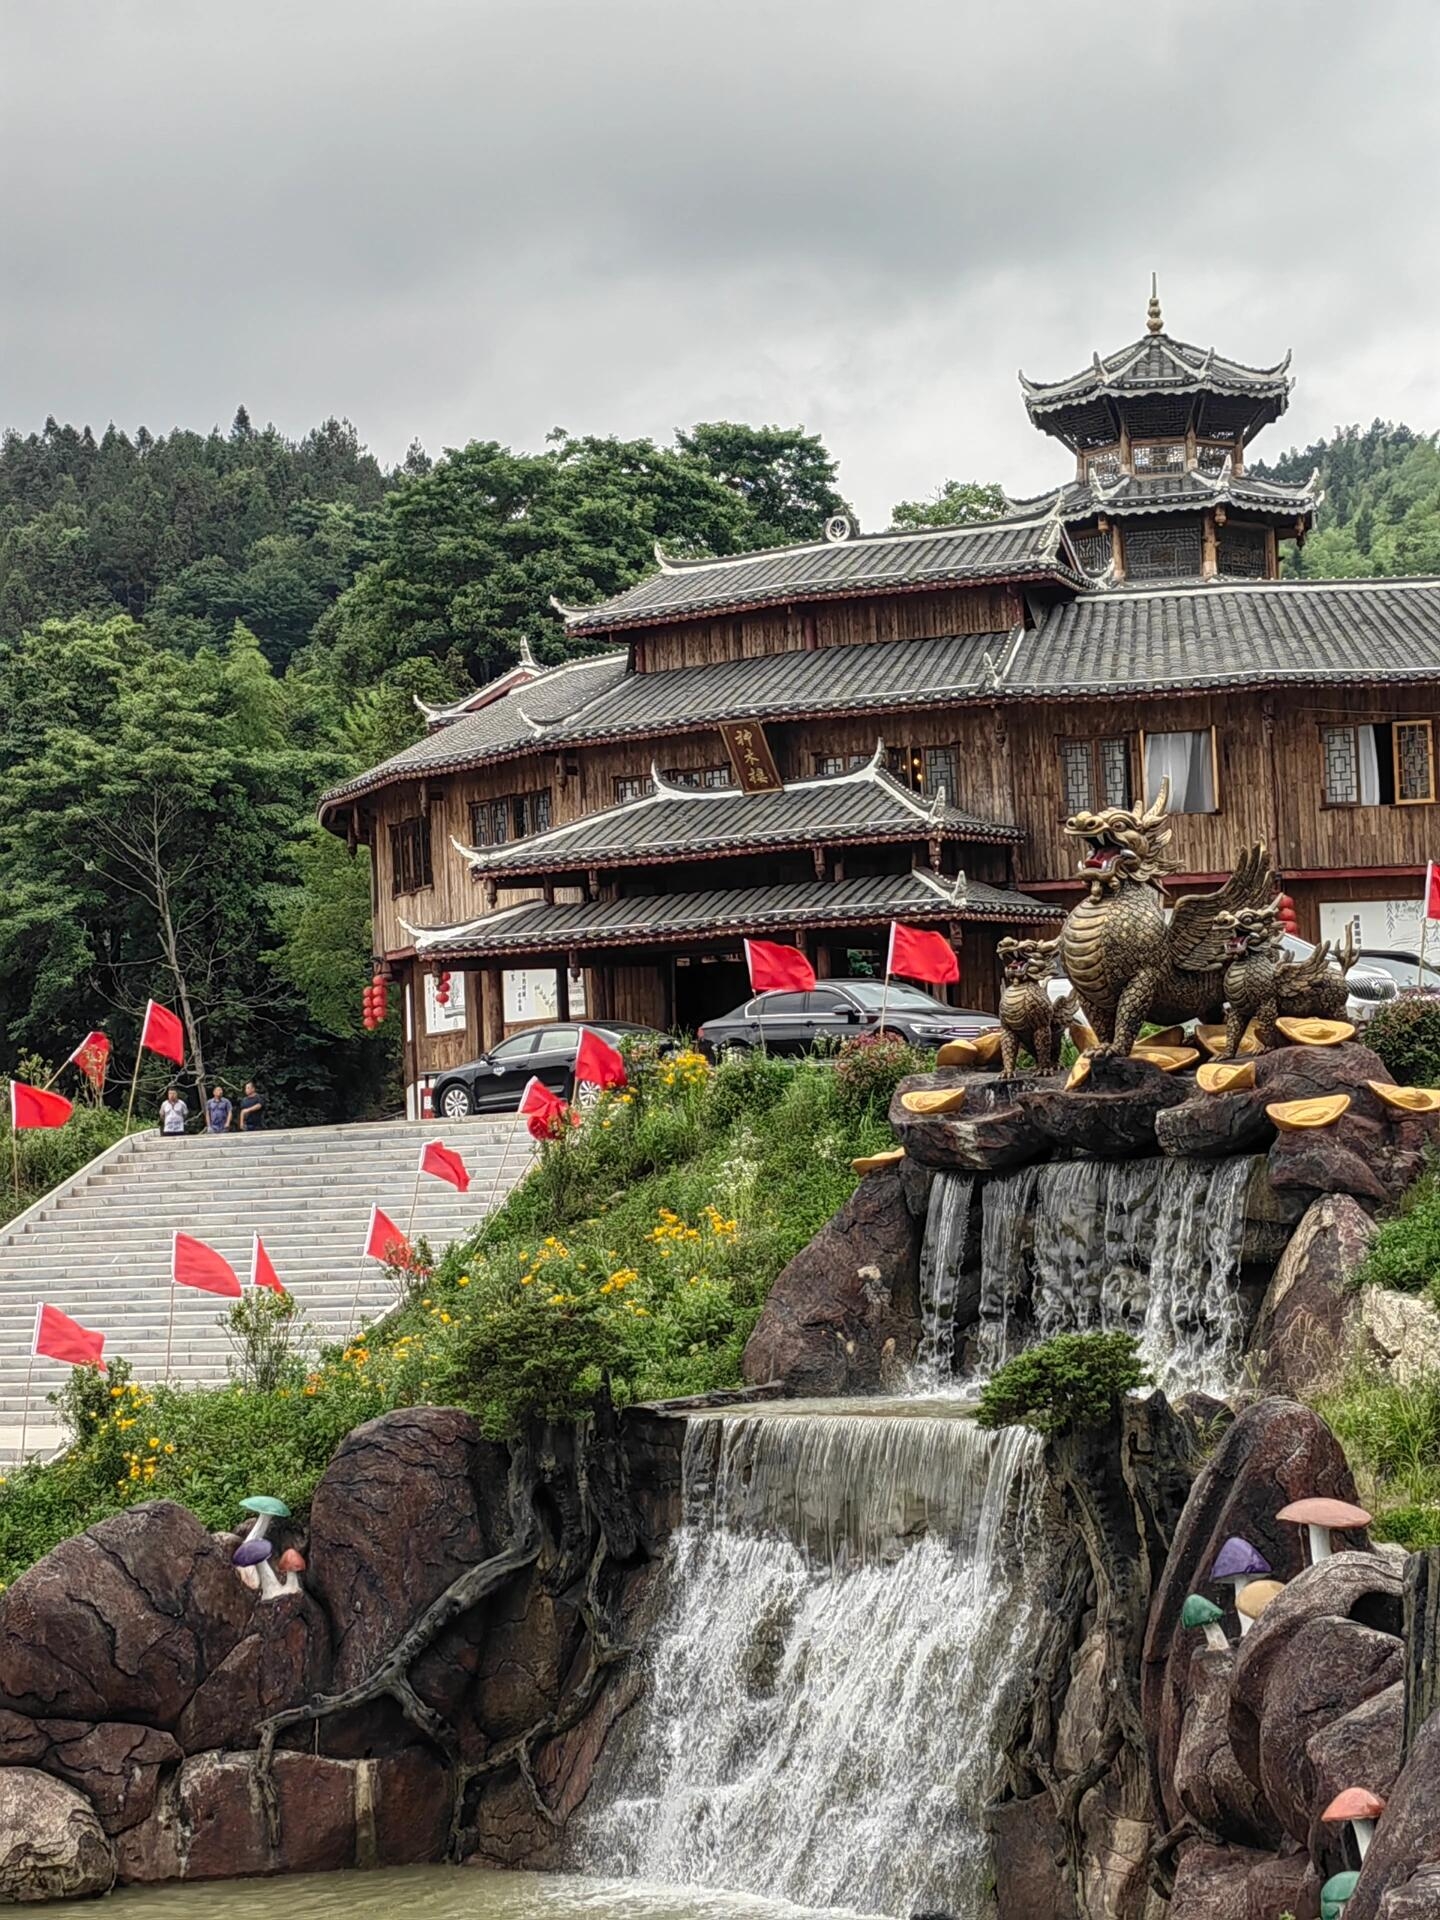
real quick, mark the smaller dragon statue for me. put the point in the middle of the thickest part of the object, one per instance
(1028, 1016)
(1261, 983)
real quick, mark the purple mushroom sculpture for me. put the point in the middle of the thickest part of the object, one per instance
(253, 1557)
(1239, 1563)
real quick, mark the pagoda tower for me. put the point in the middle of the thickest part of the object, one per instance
(1159, 432)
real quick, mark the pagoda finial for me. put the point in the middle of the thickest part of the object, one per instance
(1153, 321)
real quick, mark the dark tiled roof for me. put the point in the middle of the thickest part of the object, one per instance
(1260, 633)
(1012, 549)
(1159, 365)
(851, 808)
(1177, 493)
(534, 927)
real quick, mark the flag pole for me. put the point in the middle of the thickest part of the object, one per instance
(885, 996)
(29, 1376)
(414, 1199)
(134, 1082)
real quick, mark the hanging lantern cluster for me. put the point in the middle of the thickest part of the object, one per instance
(1289, 920)
(373, 1003)
(442, 989)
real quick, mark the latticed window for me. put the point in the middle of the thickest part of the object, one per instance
(514, 816)
(1163, 553)
(1212, 458)
(410, 855)
(1414, 762)
(1094, 551)
(1095, 774)
(530, 812)
(629, 786)
(937, 774)
(1159, 456)
(1341, 749)
(1244, 552)
(1103, 466)
(699, 778)
(840, 762)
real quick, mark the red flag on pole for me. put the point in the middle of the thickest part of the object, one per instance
(162, 1033)
(34, 1107)
(545, 1112)
(772, 965)
(262, 1268)
(598, 1063)
(92, 1057)
(445, 1164)
(58, 1337)
(384, 1241)
(193, 1264)
(1432, 891)
(917, 954)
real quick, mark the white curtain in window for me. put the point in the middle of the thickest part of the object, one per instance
(1369, 767)
(1185, 758)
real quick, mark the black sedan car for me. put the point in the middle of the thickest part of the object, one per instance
(495, 1082)
(784, 1022)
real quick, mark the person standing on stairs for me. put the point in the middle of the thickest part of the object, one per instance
(251, 1106)
(218, 1112)
(173, 1114)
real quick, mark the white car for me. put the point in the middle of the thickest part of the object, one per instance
(1369, 984)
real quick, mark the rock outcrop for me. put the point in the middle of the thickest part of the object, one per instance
(1303, 1331)
(52, 1846)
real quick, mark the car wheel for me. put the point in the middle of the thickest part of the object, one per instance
(455, 1103)
(587, 1095)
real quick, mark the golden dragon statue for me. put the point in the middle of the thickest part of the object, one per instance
(1130, 955)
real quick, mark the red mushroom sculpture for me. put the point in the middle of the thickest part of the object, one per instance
(1361, 1809)
(1320, 1518)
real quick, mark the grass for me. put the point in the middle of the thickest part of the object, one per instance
(639, 1253)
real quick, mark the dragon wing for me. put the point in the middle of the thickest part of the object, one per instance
(1195, 946)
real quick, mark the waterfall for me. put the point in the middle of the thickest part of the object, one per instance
(1150, 1246)
(942, 1259)
(845, 1615)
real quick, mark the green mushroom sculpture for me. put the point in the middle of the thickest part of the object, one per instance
(1335, 1892)
(1200, 1612)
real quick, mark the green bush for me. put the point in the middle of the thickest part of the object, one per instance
(870, 1067)
(1405, 1032)
(1405, 1253)
(1075, 1380)
(49, 1155)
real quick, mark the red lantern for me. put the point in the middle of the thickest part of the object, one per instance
(1289, 920)
(442, 990)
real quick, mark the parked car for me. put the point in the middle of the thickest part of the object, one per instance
(784, 1022)
(1403, 968)
(1368, 984)
(495, 1082)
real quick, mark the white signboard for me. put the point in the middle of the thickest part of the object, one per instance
(530, 995)
(451, 1017)
(1383, 925)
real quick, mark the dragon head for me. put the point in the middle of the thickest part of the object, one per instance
(1027, 959)
(1122, 844)
(1248, 929)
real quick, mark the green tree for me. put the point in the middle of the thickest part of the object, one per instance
(784, 475)
(959, 503)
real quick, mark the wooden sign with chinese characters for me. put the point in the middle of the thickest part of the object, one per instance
(750, 756)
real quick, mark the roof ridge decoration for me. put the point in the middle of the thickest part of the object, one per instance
(1154, 323)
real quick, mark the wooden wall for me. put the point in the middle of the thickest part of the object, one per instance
(830, 623)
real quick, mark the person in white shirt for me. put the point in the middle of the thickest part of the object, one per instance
(173, 1113)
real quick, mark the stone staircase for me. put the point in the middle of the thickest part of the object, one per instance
(99, 1247)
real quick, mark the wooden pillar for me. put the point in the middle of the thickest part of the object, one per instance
(598, 994)
(492, 1006)
(562, 992)
(822, 960)
(1117, 550)
(1209, 552)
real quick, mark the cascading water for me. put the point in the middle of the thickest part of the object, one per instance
(846, 1613)
(942, 1259)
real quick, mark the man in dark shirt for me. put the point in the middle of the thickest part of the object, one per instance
(250, 1108)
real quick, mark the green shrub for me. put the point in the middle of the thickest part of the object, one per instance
(1075, 1380)
(870, 1067)
(266, 1331)
(1405, 1032)
(1405, 1253)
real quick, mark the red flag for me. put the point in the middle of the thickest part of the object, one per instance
(92, 1057)
(58, 1337)
(597, 1062)
(919, 955)
(34, 1107)
(262, 1268)
(384, 1241)
(1432, 891)
(193, 1264)
(445, 1164)
(772, 965)
(545, 1112)
(162, 1033)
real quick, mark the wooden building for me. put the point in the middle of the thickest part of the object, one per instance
(807, 742)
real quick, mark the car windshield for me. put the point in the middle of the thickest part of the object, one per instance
(871, 993)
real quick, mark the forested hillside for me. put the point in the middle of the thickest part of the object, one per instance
(1381, 512)
(200, 632)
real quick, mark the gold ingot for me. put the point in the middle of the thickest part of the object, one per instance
(1084, 1037)
(1220, 1076)
(934, 1100)
(1167, 1037)
(873, 1162)
(1315, 1033)
(1298, 1116)
(1079, 1073)
(1168, 1059)
(1406, 1099)
(987, 1045)
(1213, 1039)
(957, 1053)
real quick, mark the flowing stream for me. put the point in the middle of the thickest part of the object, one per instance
(845, 1615)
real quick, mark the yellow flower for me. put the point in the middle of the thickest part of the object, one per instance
(526, 1278)
(115, 1392)
(169, 1446)
(444, 1319)
(154, 1440)
(463, 1281)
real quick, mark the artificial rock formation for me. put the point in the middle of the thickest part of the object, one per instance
(1304, 1328)
(52, 1846)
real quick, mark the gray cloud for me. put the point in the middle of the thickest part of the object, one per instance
(472, 219)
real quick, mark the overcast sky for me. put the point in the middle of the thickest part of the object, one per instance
(459, 219)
